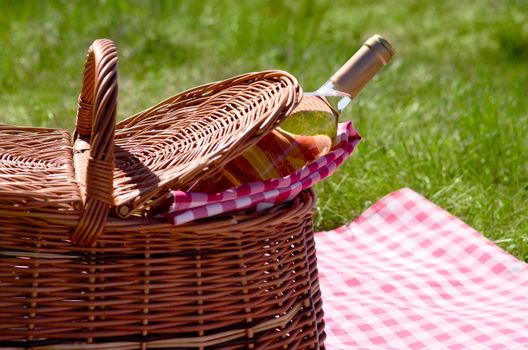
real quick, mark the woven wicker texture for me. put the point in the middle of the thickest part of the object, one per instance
(34, 164)
(279, 153)
(94, 139)
(247, 280)
(43, 178)
(195, 133)
(233, 281)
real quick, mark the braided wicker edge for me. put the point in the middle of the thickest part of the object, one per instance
(94, 161)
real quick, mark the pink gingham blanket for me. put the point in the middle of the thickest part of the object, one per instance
(408, 275)
(189, 206)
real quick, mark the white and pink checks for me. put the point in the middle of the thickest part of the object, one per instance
(189, 206)
(408, 275)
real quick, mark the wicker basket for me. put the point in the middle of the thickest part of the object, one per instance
(82, 266)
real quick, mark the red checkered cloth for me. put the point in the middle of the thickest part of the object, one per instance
(408, 275)
(184, 206)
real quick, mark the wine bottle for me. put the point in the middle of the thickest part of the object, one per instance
(356, 72)
(312, 117)
(307, 133)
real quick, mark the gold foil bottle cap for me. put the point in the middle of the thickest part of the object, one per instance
(360, 68)
(381, 46)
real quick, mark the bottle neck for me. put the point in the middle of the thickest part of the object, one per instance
(362, 66)
(328, 90)
(348, 81)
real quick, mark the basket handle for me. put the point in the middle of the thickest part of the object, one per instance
(94, 139)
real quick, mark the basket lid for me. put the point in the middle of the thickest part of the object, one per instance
(195, 133)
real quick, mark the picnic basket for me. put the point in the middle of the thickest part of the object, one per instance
(82, 265)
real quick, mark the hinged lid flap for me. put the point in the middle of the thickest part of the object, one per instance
(193, 134)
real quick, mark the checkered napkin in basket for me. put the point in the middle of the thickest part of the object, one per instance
(188, 206)
(408, 275)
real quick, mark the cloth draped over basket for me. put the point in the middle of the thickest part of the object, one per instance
(183, 206)
(82, 267)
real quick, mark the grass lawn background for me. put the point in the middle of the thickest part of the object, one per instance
(448, 117)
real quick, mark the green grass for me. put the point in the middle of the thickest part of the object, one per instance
(448, 117)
